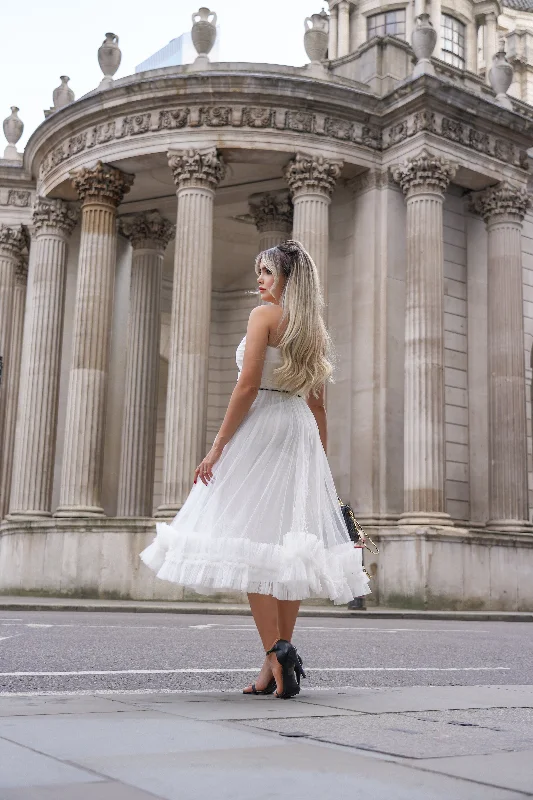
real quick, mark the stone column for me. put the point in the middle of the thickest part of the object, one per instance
(424, 180)
(149, 234)
(196, 173)
(12, 243)
(312, 180)
(343, 42)
(13, 380)
(101, 190)
(436, 21)
(272, 213)
(333, 33)
(503, 208)
(33, 463)
(490, 41)
(471, 47)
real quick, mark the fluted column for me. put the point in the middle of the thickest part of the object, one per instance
(424, 180)
(33, 462)
(503, 208)
(13, 380)
(343, 41)
(101, 190)
(12, 243)
(196, 173)
(333, 33)
(149, 234)
(272, 213)
(312, 180)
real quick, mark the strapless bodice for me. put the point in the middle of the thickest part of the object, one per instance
(272, 361)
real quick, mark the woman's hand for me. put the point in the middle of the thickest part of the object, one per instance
(204, 471)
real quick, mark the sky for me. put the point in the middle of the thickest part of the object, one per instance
(39, 41)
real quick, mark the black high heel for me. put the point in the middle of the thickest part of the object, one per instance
(292, 668)
(269, 688)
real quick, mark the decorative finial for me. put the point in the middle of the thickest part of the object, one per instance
(501, 77)
(203, 35)
(423, 42)
(13, 128)
(316, 37)
(109, 57)
(62, 96)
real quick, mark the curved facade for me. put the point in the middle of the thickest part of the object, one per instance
(141, 207)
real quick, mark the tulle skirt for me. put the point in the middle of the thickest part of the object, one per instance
(269, 520)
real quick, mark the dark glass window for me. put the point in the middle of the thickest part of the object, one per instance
(390, 23)
(453, 41)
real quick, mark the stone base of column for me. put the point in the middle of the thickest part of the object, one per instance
(167, 511)
(21, 515)
(509, 525)
(79, 511)
(425, 518)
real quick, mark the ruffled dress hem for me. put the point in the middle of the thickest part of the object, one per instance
(298, 569)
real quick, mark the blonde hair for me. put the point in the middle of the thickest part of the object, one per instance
(306, 347)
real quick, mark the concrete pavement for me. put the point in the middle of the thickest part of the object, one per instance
(28, 603)
(413, 743)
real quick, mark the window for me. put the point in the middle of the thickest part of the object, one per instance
(391, 23)
(453, 41)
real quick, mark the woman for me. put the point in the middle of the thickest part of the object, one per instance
(264, 517)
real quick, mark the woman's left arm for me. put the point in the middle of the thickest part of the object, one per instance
(245, 390)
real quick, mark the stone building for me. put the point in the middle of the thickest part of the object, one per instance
(399, 157)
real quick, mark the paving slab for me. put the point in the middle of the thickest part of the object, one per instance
(512, 770)
(234, 707)
(39, 705)
(103, 790)
(290, 769)
(22, 767)
(422, 698)
(413, 735)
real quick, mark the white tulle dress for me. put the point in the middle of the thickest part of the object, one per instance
(269, 520)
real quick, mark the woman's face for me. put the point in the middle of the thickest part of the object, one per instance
(265, 281)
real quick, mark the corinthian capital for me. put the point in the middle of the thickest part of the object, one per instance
(13, 240)
(503, 200)
(309, 174)
(53, 216)
(203, 169)
(425, 172)
(101, 183)
(148, 227)
(272, 211)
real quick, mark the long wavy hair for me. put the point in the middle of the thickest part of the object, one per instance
(306, 347)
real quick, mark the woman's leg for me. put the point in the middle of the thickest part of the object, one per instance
(287, 613)
(265, 613)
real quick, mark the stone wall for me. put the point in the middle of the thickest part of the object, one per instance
(527, 265)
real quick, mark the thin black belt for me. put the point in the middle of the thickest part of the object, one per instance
(266, 389)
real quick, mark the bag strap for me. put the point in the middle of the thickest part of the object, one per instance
(363, 536)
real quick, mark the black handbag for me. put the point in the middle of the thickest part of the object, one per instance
(355, 531)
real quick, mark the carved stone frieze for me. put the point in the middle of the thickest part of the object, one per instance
(198, 168)
(101, 183)
(308, 173)
(18, 197)
(150, 226)
(53, 215)
(13, 240)
(424, 172)
(272, 211)
(503, 200)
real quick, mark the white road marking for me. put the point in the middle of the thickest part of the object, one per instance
(245, 628)
(212, 670)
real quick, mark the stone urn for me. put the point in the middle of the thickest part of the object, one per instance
(501, 77)
(316, 36)
(204, 30)
(423, 42)
(63, 95)
(109, 57)
(13, 128)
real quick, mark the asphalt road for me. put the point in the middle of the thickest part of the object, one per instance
(58, 652)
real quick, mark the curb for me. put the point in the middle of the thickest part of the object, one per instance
(222, 609)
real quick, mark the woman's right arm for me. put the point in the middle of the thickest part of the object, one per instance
(316, 404)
